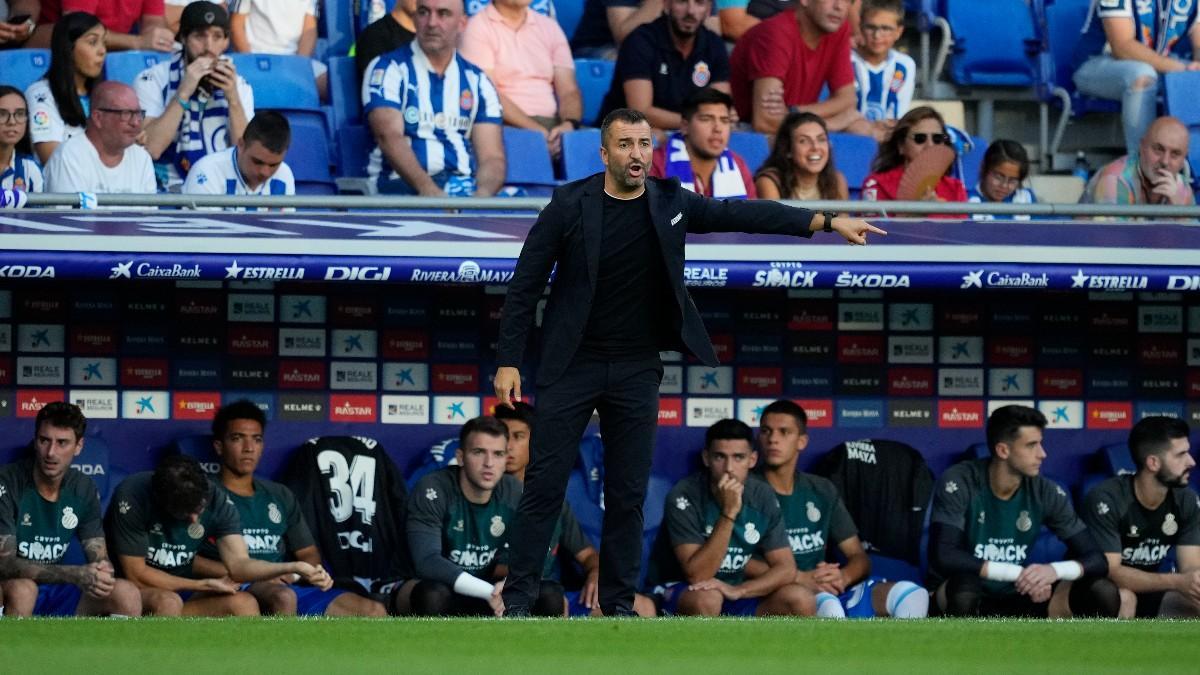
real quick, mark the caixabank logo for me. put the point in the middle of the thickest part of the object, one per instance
(89, 371)
(302, 309)
(405, 376)
(41, 338)
(145, 405)
(455, 409)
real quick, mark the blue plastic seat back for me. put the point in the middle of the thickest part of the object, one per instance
(200, 448)
(994, 43)
(595, 78)
(528, 160)
(581, 153)
(852, 155)
(1064, 20)
(126, 66)
(344, 94)
(568, 14)
(1117, 460)
(279, 81)
(439, 456)
(354, 144)
(335, 23)
(752, 146)
(22, 67)
(308, 154)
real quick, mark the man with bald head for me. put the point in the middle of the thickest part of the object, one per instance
(105, 158)
(1155, 174)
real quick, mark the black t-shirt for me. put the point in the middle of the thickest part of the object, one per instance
(593, 30)
(649, 54)
(630, 284)
(380, 37)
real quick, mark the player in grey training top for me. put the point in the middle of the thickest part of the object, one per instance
(1138, 518)
(43, 504)
(987, 514)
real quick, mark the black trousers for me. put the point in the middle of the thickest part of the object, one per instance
(625, 393)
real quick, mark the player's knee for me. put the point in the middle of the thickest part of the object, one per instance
(1095, 597)
(244, 604)
(797, 600)
(549, 601)
(20, 596)
(161, 603)
(431, 598)
(1129, 601)
(125, 599)
(964, 594)
(644, 606)
(701, 603)
(368, 607)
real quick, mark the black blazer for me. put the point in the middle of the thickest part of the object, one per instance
(568, 232)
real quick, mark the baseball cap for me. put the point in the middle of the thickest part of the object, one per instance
(201, 15)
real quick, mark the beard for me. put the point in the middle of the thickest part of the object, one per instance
(1170, 480)
(631, 181)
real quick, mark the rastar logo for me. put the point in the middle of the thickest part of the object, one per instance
(670, 412)
(359, 408)
(301, 374)
(30, 401)
(910, 382)
(860, 348)
(960, 414)
(811, 316)
(198, 306)
(251, 340)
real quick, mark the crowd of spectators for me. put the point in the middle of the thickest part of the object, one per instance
(441, 78)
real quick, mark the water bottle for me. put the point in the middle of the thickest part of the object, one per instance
(1081, 167)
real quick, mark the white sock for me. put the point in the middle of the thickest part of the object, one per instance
(829, 607)
(907, 600)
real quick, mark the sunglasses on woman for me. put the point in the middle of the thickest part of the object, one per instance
(938, 139)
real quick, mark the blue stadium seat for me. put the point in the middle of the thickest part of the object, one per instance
(344, 92)
(439, 456)
(354, 143)
(280, 81)
(568, 13)
(528, 164)
(581, 153)
(1063, 20)
(126, 66)
(994, 43)
(22, 67)
(971, 162)
(978, 451)
(1181, 91)
(595, 78)
(336, 24)
(1117, 460)
(199, 447)
(852, 155)
(308, 155)
(752, 146)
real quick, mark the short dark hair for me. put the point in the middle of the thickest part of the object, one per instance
(895, 6)
(626, 115)
(484, 424)
(238, 410)
(786, 407)
(62, 415)
(1153, 436)
(728, 430)
(1005, 423)
(270, 129)
(520, 411)
(179, 485)
(704, 96)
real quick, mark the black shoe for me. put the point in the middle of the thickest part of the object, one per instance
(516, 612)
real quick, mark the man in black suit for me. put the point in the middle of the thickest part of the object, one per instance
(618, 299)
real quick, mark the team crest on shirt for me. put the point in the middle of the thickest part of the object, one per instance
(26, 520)
(701, 74)
(18, 183)
(1133, 530)
(682, 503)
(752, 535)
(458, 526)
(497, 527)
(195, 530)
(274, 514)
(466, 100)
(1024, 522)
(897, 81)
(411, 114)
(69, 519)
(1169, 526)
(813, 513)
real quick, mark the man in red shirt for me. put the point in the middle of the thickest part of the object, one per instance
(698, 153)
(118, 16)
(781, 65)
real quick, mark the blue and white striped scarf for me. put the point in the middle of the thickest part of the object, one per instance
(189, 142)
(726, 179)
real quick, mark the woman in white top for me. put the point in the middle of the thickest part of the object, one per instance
(18, 169)
(59, 104)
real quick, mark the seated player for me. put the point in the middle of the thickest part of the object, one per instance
(458, 519)
(568, 534)
(987, 514)
(43, 503)
(1138, 518)
(815, 517)
(715, 521)
(156, 523)
(272, 524)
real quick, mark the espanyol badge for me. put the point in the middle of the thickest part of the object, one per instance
(813, 513)
(274, 514)
(1023, 522)
(69, 519)
(497, 527)
(1169, 526)
(195, 530)
(752, 535)
(701, 74)
(465, 99)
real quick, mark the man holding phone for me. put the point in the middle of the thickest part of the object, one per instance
(195, 103)
(1155, 174)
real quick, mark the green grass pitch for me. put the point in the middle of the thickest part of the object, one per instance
(465, 646)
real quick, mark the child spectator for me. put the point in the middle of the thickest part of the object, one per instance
(883, 77)
(18, 169)
(1002, 178)
(800, 165)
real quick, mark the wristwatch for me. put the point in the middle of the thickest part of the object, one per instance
(574, 123)
(829, 216)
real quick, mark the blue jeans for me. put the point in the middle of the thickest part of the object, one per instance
(1105, 77)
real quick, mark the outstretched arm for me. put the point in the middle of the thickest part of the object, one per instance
(766, 217)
